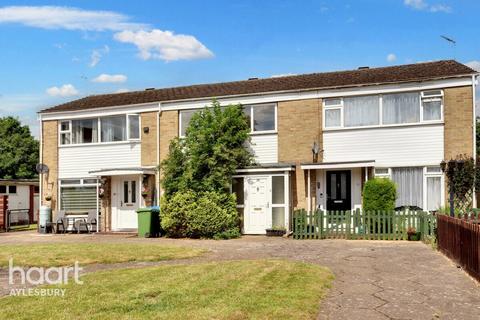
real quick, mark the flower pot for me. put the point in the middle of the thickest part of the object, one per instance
(275, 232)
(414, 236)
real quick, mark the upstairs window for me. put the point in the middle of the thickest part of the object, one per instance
(385, 109)
(361, 111)
(85, 131)
(65, 132)
(105, 129)
(262, 117)
(432, 105)
(114, 128)
(401, 108)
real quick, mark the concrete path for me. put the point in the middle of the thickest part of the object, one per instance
(374, 279)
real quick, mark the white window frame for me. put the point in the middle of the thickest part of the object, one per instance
(429, 98)
(422, 97)
(427, 175)
(81, 183)
(333, 107)
(252, 112)
(252, 117)
(99, 129)
(139, 126)
(62, 132)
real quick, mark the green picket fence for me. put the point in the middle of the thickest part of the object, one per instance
(369, 225)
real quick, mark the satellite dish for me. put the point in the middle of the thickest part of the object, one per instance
(41, 168)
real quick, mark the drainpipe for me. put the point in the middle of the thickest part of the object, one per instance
(474, 82)
(157, 178)
(309, 205)
(40, 175)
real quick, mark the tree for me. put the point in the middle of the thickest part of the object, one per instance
(211, 152)
(197, 174)
(477, 135)
(18, 150)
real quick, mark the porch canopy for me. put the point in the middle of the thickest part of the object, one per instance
(338, 165)
(122, 171)
(332, 166)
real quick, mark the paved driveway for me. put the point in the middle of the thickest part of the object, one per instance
(374, 279)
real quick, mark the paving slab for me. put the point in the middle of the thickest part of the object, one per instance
(374, 279)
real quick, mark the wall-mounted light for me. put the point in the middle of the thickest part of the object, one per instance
(146, 129)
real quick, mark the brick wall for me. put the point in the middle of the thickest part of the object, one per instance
(299, 125)
(168, 131)
(50, 158)
(149, 140)
(458, 115)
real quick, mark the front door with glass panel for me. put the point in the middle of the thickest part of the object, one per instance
(126, 199)
(258, 209)
(338, 190)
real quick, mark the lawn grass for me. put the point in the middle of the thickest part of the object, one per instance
(65, 254)
(260, 289)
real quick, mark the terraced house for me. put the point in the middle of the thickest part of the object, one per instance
(316, 139)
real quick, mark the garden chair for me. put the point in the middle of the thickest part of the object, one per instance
(60, 224)
(88, 223)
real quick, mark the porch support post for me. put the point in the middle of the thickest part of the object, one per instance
(309, 205)
(366, 174)
(98, 218)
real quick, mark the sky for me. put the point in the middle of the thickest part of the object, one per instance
(57, 51)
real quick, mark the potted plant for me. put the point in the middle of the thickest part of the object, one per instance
(413, 235)
(276, 232)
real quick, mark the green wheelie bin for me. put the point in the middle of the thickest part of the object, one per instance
(148, 222)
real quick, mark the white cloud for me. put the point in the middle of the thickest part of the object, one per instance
(475, 65)
(164, 45)
(67, 90)
(97, 54)
(391, 57)
(110, 78)
(56, 17)
(424, 6)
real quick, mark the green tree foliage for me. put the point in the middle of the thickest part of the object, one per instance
(197, 174)
(379, 194)
(477, 135)
(18, 150)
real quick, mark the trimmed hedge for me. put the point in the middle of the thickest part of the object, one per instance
(379, 194)
(200, 215)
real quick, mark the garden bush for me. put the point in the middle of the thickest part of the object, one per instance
(214, 213)
(379, 194)
(174, 213)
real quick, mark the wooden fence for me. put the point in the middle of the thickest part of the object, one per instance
(377, 225)
(3, 211)
(459, 239)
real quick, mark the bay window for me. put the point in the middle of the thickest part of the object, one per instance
(104, 129)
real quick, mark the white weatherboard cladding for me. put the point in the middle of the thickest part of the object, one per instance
(77, 161)
(389, 147)
(264, 147)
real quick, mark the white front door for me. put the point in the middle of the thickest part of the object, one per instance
(126, 198)
(258, 215)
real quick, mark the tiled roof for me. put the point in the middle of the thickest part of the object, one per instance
(384, 75)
